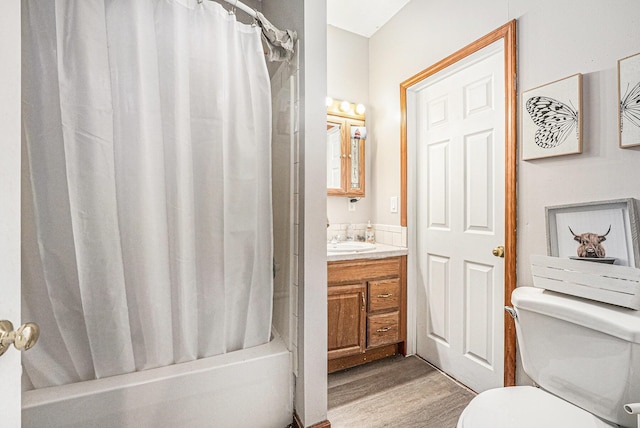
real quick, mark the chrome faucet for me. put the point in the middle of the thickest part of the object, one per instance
(349, 232)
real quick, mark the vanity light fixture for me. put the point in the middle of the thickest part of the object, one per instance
(345, 108)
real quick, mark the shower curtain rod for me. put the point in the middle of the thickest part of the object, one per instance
(280, 43)
(243, 7)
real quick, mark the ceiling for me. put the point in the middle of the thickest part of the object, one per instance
(363, 17)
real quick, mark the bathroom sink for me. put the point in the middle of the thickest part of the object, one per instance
(349, 246)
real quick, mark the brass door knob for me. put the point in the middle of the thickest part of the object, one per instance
(23, 338)
(498, 251)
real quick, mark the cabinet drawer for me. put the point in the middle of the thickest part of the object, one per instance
(347, 271)
(383, 329)
(384, 295)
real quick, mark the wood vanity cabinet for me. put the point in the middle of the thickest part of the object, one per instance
(366, 310)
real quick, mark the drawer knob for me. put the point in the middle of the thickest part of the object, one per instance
(383, 329)
(384, 296)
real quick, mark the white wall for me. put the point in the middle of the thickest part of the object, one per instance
(312, 334)
(348, 79)
(309, 20)
(347, 66)
(555, 40)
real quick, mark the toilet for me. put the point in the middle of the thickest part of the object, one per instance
(583, 355)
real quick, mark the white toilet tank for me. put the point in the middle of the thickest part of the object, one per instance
(585, 352)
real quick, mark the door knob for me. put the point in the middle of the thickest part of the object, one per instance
(498, 251)
(23, 338)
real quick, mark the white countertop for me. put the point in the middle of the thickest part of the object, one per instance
(380, 252)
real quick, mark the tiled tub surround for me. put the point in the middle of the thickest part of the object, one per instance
(385, 234)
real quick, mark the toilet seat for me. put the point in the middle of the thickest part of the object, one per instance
(525, 407)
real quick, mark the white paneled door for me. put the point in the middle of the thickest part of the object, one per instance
(460, 132)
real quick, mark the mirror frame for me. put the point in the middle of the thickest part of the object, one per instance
(347, 120)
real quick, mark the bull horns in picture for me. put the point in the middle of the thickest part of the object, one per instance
(608, 230)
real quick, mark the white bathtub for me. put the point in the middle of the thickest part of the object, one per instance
(248, 388)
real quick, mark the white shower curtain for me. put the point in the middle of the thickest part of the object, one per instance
(146, 188)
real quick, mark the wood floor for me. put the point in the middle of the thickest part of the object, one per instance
(395, 392)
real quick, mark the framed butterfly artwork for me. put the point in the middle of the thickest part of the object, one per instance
(629, 101)
(552, 119)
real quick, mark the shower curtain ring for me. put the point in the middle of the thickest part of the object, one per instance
(232, 11)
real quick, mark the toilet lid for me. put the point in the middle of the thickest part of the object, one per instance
(525, 407)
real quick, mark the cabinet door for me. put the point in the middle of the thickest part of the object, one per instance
(347, 320)
(336, 155)
(355, 160)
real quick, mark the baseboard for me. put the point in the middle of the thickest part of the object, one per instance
(298, 424)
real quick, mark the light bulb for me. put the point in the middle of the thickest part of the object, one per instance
(329, 101)
(360, 109)
(345, 106)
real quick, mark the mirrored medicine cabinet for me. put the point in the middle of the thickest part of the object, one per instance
(346, 136)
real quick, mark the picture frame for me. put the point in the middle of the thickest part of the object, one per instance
(617, 220)
(552, 119)
(629, 101)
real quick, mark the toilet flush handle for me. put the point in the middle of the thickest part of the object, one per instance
(633, 409)
(511, 311)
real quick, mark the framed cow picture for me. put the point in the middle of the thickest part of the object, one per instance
(604, 232)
